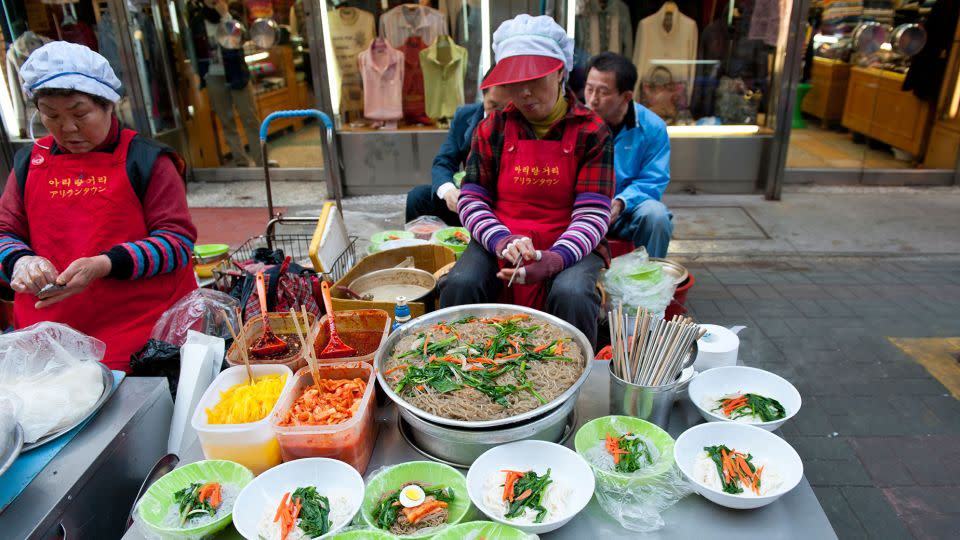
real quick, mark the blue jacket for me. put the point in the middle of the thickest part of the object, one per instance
(455, 149)
(641, 159)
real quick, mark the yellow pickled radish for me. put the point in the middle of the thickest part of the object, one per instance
(244, 403)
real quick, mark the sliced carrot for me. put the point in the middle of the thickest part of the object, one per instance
(391, 370)
(421, 387)
(426, 340)
(526, 493)
(559, 349)
(508, 357)
(542, 347)
(282, 507)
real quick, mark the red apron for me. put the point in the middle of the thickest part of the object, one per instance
(535, 195)
(80, 205)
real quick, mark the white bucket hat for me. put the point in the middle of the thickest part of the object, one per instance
(69, 66)
(527, 48)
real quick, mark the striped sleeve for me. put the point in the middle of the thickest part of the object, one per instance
(160, 253)
(477, 216)
(588, 225)
(11, 250)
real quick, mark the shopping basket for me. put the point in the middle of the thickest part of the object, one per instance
(300, 246)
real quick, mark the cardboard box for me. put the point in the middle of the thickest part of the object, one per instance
(430, 258)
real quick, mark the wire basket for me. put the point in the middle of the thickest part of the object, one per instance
(297, 246)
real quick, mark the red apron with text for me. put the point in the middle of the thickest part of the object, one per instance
(535, 195)
(80, 205)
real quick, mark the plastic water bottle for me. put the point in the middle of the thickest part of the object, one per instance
(401, 313)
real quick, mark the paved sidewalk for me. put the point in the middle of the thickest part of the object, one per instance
(879, 436)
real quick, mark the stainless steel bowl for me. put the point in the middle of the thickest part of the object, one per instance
(481, 310)
(460, 447)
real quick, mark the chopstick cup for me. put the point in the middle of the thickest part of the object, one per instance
(241, 345)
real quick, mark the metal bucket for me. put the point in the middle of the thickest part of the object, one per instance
(460, 447)
(650, 403)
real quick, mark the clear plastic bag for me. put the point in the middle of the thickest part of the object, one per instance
(50, 370)
(637, 500)
(640, 507)
(424, 226)
(635, 282)
(199, 311)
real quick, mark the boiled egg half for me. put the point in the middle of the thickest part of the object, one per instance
(412, 496)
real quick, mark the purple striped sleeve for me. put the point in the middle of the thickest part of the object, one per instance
(588, 225)
(11, 250)
(477, 216)
(161, 252)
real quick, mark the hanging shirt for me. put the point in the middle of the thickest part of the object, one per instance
(414, 108)
(381, 68)
(606, 27)
(444, 67)
(408, 20)
(351, 31)
(675, 50)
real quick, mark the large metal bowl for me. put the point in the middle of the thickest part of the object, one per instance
(481, 310)
(460, 447)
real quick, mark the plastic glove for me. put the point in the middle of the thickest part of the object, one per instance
(515, 246)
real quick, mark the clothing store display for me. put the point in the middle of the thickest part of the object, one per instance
(664, 96)
(414, 108)
(17, 54)
(765, 21)
(444, 66)
(841, 16)
(929, 65)
(224, 100)
(381, 68)
(604, 25)
(673, 49)
(408, 20)
(466, 30)
(351, 31)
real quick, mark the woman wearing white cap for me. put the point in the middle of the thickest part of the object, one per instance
(536, 196)
(94, 227)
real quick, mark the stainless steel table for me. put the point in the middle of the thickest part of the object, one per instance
(795, 515)
(86, 490)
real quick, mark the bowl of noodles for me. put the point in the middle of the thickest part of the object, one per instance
(416, 499)
(483, 365)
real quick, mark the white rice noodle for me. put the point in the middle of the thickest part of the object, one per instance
(705, 472)
(270, 530)
(554, 500)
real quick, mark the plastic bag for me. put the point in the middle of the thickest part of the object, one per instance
(637, 500)
(424, 226)
(52, 371)
(158, 359)
(640, 507)
(200, 311)
(637, 283)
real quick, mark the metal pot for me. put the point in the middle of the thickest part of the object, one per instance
(673, 269)
(481, 310)
(460, 447)
(415, 278)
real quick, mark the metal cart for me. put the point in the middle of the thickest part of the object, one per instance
(297, 245)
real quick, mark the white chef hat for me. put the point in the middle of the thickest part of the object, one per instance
(527, 48)
(69, 66)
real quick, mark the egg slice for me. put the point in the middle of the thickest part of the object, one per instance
(412, 496)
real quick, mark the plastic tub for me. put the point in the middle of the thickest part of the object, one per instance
(351, 441)
(363, 329)
(282, 325)
(253, 444)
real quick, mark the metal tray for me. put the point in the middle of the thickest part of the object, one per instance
(481, 310)
(11, 451)
(107, 392)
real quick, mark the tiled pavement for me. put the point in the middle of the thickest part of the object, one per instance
(879, 436)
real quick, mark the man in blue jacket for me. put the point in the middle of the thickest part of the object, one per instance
(641, 155)
(440, 198)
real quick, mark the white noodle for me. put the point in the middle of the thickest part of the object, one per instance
(554, 498)
(705, 472)
(339, 515)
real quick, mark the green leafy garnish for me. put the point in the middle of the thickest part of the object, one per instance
(387, 511)
(190, 504)
(755, 405)
(526, 490)
(314, 511)
(630, 453)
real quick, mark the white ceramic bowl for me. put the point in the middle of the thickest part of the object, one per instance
(332, 478)
(722, 381)
(768, 449)
(567, 468)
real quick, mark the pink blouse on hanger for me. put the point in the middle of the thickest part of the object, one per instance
(381, 68)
